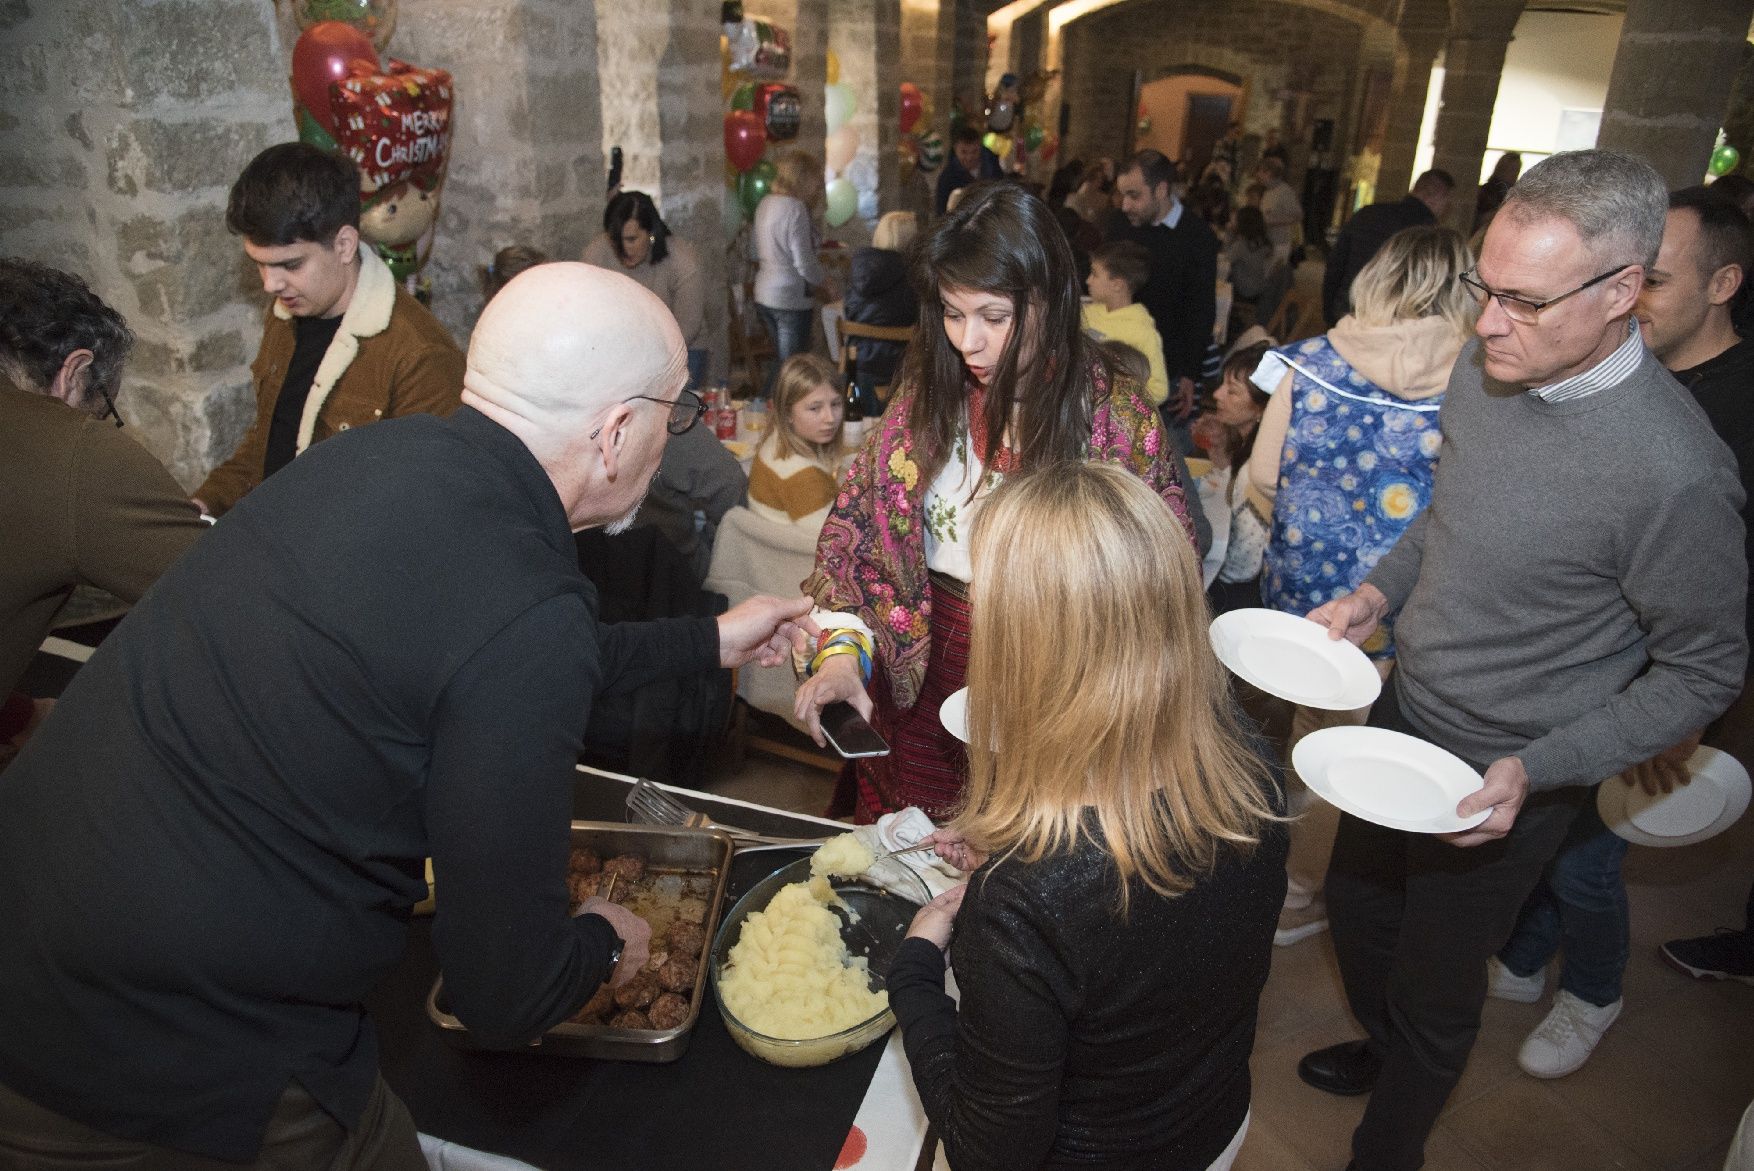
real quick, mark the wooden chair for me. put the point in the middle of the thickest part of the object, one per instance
(751, 348)
(850, 331)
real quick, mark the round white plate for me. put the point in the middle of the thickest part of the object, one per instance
(1293, 658)
(953, 714)
(1704, 808)
(1388, 778)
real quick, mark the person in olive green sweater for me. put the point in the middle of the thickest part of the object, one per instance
(342, 344)
(85, 504)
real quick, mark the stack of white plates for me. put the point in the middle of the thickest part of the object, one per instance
(1704, 807)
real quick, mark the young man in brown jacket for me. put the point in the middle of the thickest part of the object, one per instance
(84, 504)
(342, 344)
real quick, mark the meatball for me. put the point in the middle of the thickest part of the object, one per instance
(630, 867)
(687, 939)
(637, 992)
(633, 1018)
(580, 887)
(584, 861)
(668, 1011)
(678, 972)
(596, 1008)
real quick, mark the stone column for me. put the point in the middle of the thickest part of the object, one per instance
(123, 127)
(1473, 64)
(692, 158)
(1671, 83)
(526, 161)
(1406, 111)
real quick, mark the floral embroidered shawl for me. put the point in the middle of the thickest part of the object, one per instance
(871, 557)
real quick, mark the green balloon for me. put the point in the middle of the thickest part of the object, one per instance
(842, 200)
(1034, 136)
(754, 184)
(1724, 159)
(743, 97)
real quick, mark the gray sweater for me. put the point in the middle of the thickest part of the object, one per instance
(1573, 596)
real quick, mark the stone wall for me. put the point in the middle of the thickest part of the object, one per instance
(123, 126)
(1246, 38)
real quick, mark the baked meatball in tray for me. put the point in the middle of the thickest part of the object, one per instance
(675, 880)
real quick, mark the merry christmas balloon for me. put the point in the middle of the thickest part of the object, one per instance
(931, 151)
(395, 126)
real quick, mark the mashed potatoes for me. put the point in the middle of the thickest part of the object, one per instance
(843, 855)
(789, 975)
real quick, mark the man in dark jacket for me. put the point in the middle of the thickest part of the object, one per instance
(1367, 231)
(1182, 292)
(385, 653)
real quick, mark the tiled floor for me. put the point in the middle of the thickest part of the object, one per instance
(1663, 1092)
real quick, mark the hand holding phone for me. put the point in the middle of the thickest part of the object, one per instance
(849, 734)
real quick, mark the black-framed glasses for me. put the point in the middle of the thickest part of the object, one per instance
(110, 411)
(1521, 309)
(685, 412)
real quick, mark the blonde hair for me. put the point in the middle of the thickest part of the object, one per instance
(1096, 706)
(799, 175)
(802, 374)
(895, 231)
(1417, 274)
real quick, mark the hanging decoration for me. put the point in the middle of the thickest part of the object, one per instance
(375, 18)
(324, 56)
(759, 48)
(745, 138)
(755, 56)
(912, 106)
(1724, 160)
(396, 127)
(842, 200)
(781, 110)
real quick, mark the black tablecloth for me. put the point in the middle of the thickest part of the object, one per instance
(716, 1107)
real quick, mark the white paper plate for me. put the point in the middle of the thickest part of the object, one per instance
(1388, 778)
(953, 714)
(1704, 808)
(1293, 658)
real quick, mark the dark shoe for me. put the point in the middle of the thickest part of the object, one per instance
(1727, 955)
(1347, 1069)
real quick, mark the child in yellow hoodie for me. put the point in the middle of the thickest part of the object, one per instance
(1118, 271)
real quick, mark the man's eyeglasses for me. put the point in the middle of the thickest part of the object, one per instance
(685, 412)
(110, 411)
(1521, 309)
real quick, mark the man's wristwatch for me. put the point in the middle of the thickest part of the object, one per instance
(615, 950)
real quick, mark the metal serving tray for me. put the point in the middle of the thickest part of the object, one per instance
(665, 848)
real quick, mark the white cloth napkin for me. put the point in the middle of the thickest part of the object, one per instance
(898, 831)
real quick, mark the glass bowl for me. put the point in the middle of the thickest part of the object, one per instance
(883, 919)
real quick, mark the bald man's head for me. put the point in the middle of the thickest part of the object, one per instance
(566, 357)
(563, 341)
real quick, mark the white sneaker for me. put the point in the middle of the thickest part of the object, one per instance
(1563, 1041)
(1504, 984)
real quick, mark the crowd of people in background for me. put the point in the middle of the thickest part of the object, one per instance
(1025, 482)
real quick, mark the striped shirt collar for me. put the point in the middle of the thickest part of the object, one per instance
(1610, 371)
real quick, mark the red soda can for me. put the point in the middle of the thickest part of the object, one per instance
(725, 423)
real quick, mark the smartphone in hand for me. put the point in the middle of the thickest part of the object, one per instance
(849, 734)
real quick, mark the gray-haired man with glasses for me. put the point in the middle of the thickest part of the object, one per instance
(1569, 605)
